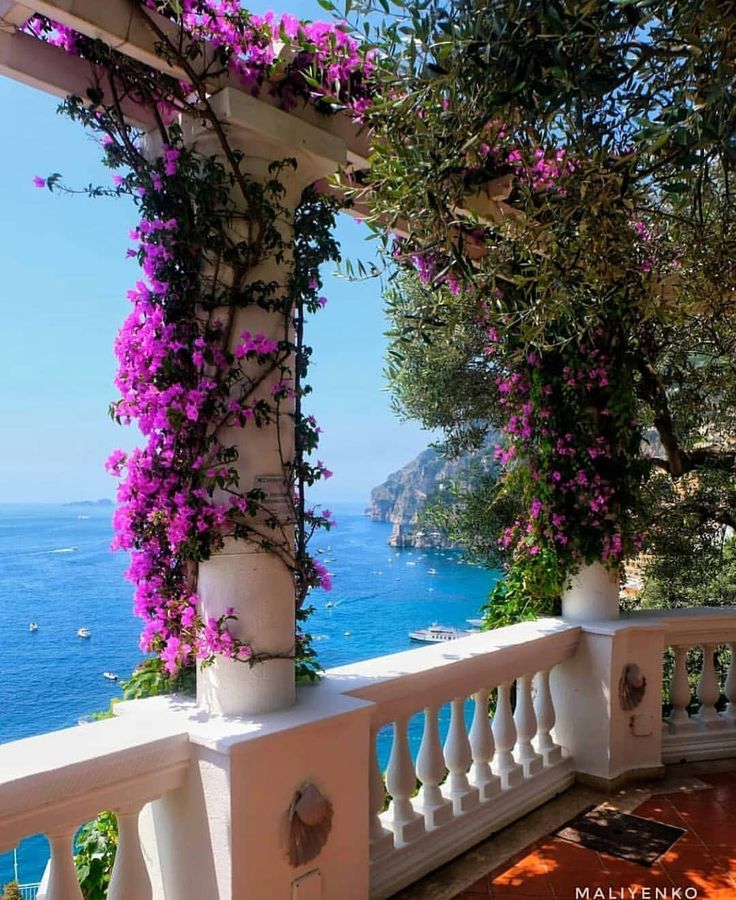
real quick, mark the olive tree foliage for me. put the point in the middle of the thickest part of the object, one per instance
(633, 248)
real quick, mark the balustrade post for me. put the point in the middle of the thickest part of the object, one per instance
(708, 691)
(403, 820)
(679, 719)
(130, 879)
(430, 771)
(482, 746)
(730, 687)
(526, 727)
(63, 883)
(458, 759)
(381, 838)
(504, 734)
(545, 710)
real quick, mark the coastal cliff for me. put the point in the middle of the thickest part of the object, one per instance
(402, 498)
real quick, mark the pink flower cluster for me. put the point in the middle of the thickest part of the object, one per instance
(543, 170)
(569, 458)
(276, 49)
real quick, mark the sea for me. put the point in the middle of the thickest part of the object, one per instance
(57, 570)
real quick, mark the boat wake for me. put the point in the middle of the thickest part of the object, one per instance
(64, 550)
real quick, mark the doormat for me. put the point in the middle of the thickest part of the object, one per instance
(619, 834)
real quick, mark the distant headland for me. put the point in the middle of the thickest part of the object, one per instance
(401, 499)
(103, 502)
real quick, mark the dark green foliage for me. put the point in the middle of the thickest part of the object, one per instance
(636, 248)
(96, 844)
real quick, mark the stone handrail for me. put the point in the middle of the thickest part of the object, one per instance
(437, 673)
(699, 625)
(55, 782)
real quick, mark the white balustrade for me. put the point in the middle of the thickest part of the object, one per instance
(680, 694)
(381, 839)
(708, 734)
(544, 707)
(435, 807)
(62, 879)
(482, 746)
(708, 691)
(130, 876)
(729, 688)
(484, 788)
(504, 735)
(53, 783)
(403, 820)
(525, 721)
(458, 758)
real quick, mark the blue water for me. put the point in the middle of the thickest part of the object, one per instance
(56, 569)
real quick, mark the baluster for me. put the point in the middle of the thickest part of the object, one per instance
(504, 734)
(708, 691)
(403, 820)
(730, 688)
(481, 743)
(679, 720)
(62, 883)
(129, 873)
(430, 771)
(381, 839)
(458, 759)
(545, 710)
(526, 727)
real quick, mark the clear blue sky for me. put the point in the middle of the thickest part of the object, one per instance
(63, 297)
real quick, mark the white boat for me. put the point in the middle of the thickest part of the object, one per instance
(476, 623)
(111, 676)
(431, 571)
(437, 634)
(84, 633)
(33, 626)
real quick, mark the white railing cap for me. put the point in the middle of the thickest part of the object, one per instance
(459, 667)
(694, 625)
(66, 777)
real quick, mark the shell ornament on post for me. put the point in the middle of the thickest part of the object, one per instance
(631, 687)
(310, 821)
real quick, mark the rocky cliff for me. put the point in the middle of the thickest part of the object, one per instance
(401, 499)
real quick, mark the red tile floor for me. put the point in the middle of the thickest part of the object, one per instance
(702, 863)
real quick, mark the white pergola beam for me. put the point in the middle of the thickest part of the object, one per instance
(29, 61)
(14, 14)
(118, 23)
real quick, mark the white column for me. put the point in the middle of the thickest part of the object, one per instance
(481, 744)
(435, 808)
(255, 583)
(592, 595)
(708, 691)
(403, 820)
(545, 711)
(381, 839)
(63, 883)
(679, 720)
(458, 759)
(130, 879)
(526, 727)
(730, 687)
(504, 735)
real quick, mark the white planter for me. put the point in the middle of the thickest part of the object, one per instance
(592, 595)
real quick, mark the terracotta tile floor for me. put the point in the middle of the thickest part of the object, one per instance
(703, 860)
